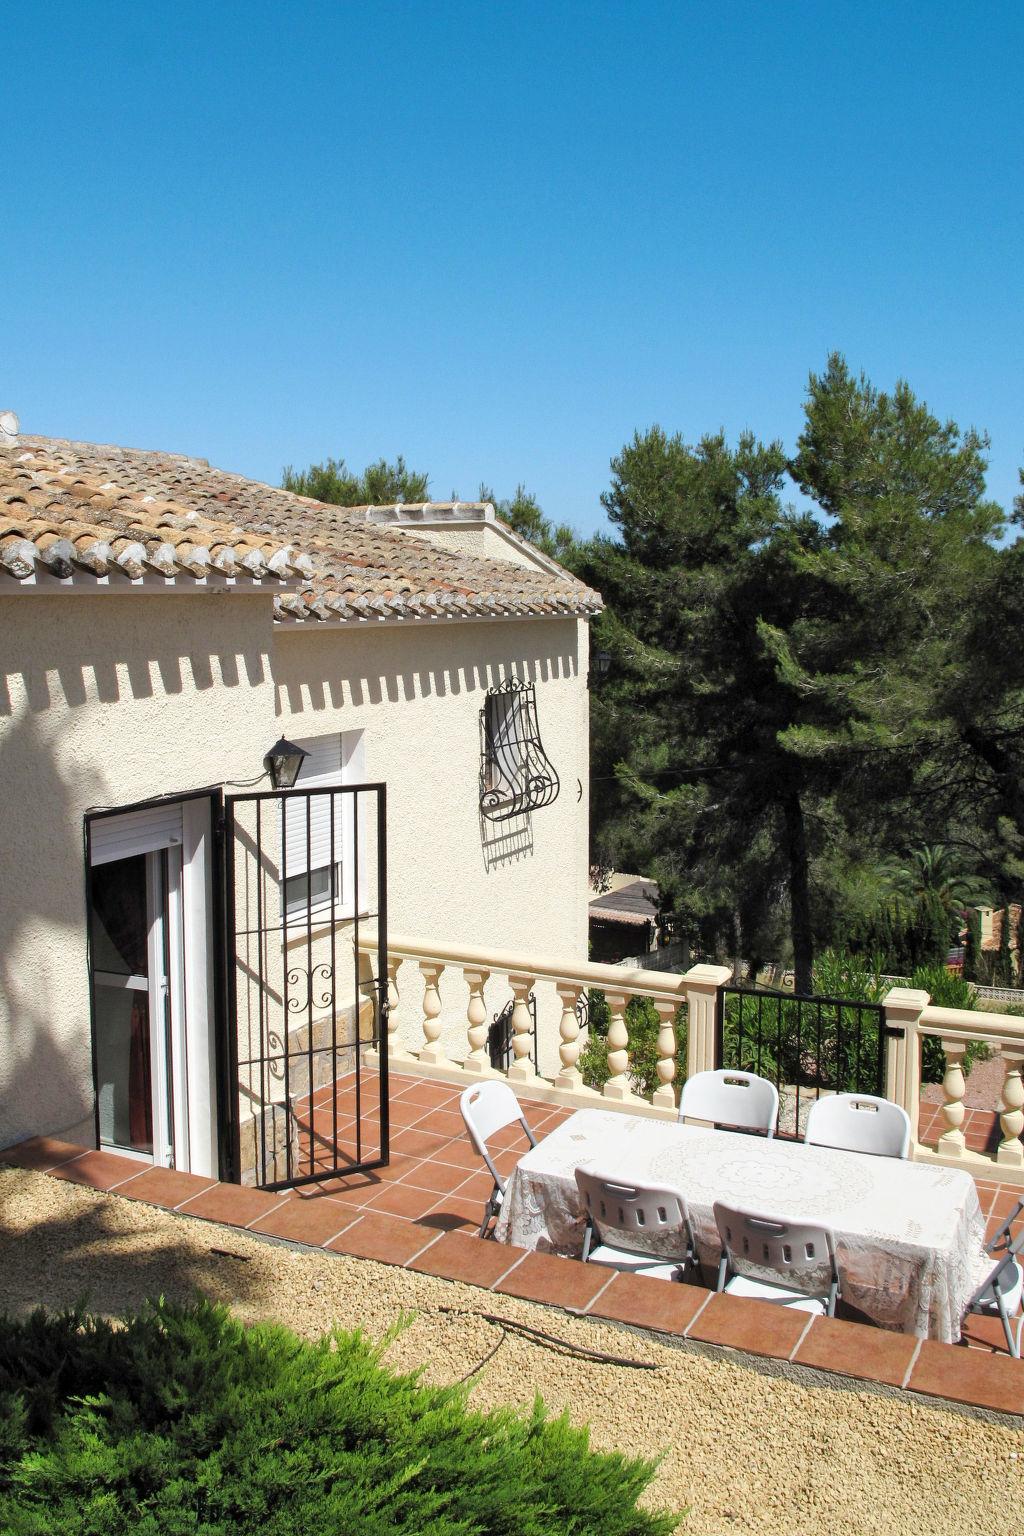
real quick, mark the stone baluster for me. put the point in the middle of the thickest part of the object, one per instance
(1011, 1111)
(396, 1051)
(433, 1052)
(478, 1060)
(522, 1069)
(570, 1076)
(618, 1086)
(664, 1094)
(954, 1085)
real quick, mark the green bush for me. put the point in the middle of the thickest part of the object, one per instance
(182, 1422)
(642, 1026)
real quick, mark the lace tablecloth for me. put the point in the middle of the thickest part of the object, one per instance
(909, 1237)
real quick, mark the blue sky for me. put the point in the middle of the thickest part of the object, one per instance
(498, 238)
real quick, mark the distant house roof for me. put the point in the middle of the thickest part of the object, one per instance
(79, 509)
(634, 903)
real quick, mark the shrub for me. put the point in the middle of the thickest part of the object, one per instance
(181, 1420)
(642, 1026)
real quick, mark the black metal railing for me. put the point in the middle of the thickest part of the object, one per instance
(807, 1046)
(501, 1034)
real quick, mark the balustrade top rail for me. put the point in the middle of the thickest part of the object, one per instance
(583, 973)
(963, 1023)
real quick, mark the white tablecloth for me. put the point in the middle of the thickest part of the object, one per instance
(909, 1237)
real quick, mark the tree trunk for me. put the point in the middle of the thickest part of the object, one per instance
(799, 893)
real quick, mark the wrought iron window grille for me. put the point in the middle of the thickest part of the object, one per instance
(516, 775)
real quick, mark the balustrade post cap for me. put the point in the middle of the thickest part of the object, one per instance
(906, 1000)
(711, 976)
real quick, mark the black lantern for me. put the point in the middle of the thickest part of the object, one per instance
(600, 665)
(283, 762)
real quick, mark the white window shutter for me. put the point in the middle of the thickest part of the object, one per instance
(122, 837)
(322, 769)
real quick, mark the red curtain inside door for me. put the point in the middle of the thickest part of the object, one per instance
(140, 1097)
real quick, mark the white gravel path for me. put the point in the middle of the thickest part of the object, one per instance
(746, 1450)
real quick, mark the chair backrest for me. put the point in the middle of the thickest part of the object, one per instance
(640, 1218)
(797, 1253)
(859, 1122)
(731, 1098)
(487, 1108)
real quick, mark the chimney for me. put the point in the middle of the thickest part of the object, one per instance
(8, 429)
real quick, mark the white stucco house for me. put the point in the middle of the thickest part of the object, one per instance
(182, 952)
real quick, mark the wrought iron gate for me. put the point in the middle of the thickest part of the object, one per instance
(306, 910)
(807, 1046)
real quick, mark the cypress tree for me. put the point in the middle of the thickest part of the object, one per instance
(1004, 965)
(972, 946)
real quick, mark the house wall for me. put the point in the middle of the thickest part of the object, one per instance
(104, 700)
(417, 693)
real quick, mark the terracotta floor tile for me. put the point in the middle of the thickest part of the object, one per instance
(649, 1303)
(442, 1178)
(457, 1256)
(969, 1376)
(986, 1333)
(441, 1121)
(403, 1200)
(442, 1219)
(428, 1095)
(165, 1186)
(459, 1152)
(307, 1221)
(422, 1144)
(471, 1212)
(41, 1152)
(760, 1327)
(384, 1238)
(559, 1282)
(233, 1205)
(99, 1170)
(871, 1354)
(350, 1189)
(475, 1186)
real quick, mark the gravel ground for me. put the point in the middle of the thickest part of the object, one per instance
(745, 1450)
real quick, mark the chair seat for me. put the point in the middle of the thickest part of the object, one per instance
(987, 1303)
(763, 1290)
(637, 1263)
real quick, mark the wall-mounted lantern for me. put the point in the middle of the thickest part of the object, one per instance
(283, 763)
(600, 666)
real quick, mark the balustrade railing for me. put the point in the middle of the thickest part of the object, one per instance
(410, 958)
(909, 1021)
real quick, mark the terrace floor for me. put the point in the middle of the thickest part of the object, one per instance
(422, 1212)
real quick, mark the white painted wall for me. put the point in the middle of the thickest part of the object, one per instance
(106, 700)
(417, 692)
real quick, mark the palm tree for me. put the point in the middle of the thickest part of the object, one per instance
(937, 873)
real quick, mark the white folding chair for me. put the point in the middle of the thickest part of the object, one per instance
(740, 1099)
(487, 1108)
(643, 1228)
(800, 1257)
(859, 1122)
(999, 1294)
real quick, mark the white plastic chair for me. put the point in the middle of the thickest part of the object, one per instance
(802, 1257)
(859, 1122)
(999, 1294)
(739, 1099)
(487, 1108)
(643, 1228)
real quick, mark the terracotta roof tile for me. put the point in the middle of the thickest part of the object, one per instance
(178, 513)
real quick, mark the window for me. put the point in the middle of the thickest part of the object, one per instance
(318, 831)
(515, 774)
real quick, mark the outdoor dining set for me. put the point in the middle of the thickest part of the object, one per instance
(841, 1215)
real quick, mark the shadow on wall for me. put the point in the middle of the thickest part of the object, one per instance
(323, 680)
(506, 842)
(95, 667)
(111, 1253)
(43, 903)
